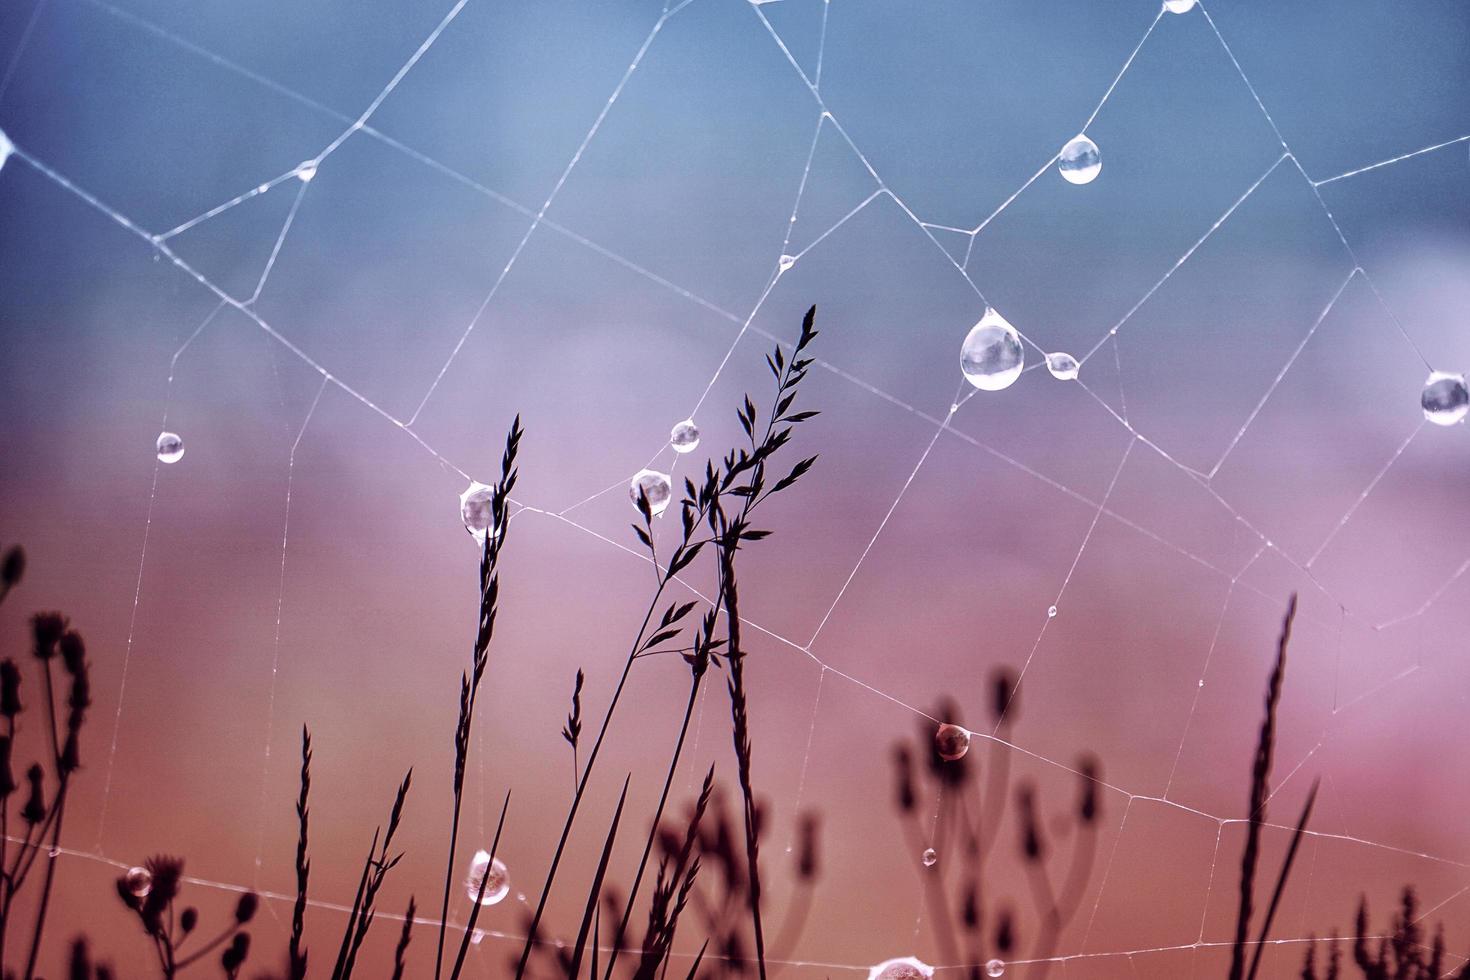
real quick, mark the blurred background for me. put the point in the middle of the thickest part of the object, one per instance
(577, 210)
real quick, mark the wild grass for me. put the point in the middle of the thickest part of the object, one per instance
(706, 867)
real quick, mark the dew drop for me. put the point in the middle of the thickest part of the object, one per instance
(1063, 366)
(1080, 162)
(494, 874)
(6, 148)
(170, 447)
(477, 937)
(786, 262)
(991, 356)
(996, 968)
(951, 742)
(477, 511)
(903, 968)
(306, 171)
(1445, 398)
(53, 853)
(262, 188)
(1051, 612)
(930, 858)
(685, 437)
(1177, 7)
(139, 882)
(655, 487)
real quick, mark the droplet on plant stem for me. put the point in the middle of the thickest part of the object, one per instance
(1080, 161)
(997, 968)
(476, 509)
(1063, 366)
(991, 356)
(655, 487)
(493, 873)
(170, 447)
(139, 882)
(1445, 398)
(685, 437)
(951, 742)
(930, 857)
(903, 968)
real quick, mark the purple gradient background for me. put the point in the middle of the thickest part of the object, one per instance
(691, 177)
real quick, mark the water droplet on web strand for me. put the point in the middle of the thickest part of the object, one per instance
(930, 858)
(786, 262)
(477, 937)
(6, 148)
(951, 742)
(991, 356)
(476, 509)
(493, 873)
(306, 171)
(1179, 6)
(1445, 398)
(139, 882)
(903, 968)
(995, 968)
(655, 487)
(1062, 366)
(685, 437)
(170, 447)
(1080, 161)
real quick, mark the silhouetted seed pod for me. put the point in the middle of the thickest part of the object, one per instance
(14, 567)
(1005, 932)
(80, 964)
(905, 771)
(35, 809)
(46, 629)
(806, 861)
(1030, 831)
(189, 919)
(73, 651)
(1087, 806)
(245, 908)
(1004, 691)
(970, 906)
(9, 689)
(7, 775)
(70, 754)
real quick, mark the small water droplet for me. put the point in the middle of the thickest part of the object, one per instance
(991, 356)
(1051, 612)
(995, 968)
(493, 873)
(477, 937)
(1201, 682)
(6, 148)
(1063, 366)
(903, 968)
(1179, 6)
(139, 882)
(477, 511)
(1445, 398)
(951, 742)
(930, 858)
(170, 447)
(685, 437)
(655, 487)
(306, 171)
(1080, 161)
(262, 188)
(786, 262)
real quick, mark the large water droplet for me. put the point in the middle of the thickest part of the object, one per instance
(306, 171)
(477, 511)
(655, 487)
(170, 447)
(139, 882)
(786, 262)
(930, 857)
(494, 874)
(1445, 398)
(1080, 162)
(992, 356)
(6, 148)
(1175, 7)
(997, 968)
(903, 968)
(951, 742)
(1063, 366)
(685, 437)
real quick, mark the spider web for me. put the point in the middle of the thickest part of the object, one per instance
(1054, 525)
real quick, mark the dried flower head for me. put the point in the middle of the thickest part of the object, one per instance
(7, 776)
(9, 688)
(73, 652)
(14, 566)
(47, 628)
